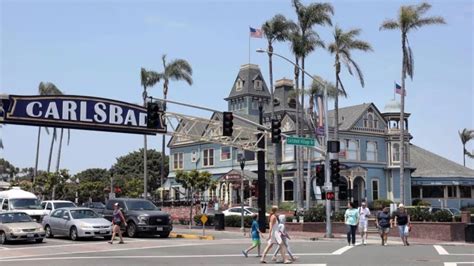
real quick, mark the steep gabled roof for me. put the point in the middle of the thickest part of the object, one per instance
(348, 116)
(253, 73)
(429, 164)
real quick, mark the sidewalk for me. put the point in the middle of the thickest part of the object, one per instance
(235, 233)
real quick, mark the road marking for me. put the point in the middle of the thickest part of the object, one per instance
(441, 250)
(456, 263)
(342, 250)
(3, 248)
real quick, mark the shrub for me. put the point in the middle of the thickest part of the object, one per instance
(339, 216)
(287, 206)
(469, 209)
(381, 203)
(316, 214)
(183, 221)
(420, 202)
(442, 216)
(210, 219)
(234, 221)
(419, 214)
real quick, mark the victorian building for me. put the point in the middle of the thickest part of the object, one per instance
(370, 153)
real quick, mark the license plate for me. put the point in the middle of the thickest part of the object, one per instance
(103, 232)
(30, 235)
(159, 228)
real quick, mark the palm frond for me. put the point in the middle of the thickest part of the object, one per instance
(428, 21)
(320, 13)
(278, 28)
(422, 8)
(470, 155)
(360, 45)
(359, 72)
(466, 135)
(389, 24)
(342, 91)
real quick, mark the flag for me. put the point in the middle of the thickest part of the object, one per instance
(398, 89)
(256, 33)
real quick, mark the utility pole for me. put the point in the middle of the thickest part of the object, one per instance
(262, 220)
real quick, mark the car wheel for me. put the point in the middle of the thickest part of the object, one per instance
(131, 229)
(3, 238)
(48, 231)
(164, 235)
(39, 240)
(73, 234)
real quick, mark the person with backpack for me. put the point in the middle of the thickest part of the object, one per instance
(351, 219)
(383, 224)
(364, 214)
(402, 220)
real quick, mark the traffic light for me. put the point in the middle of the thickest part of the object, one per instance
(335, 168)
(330, 195)
(153, 118)
(276, 131)
(320, 175)
(227, 124)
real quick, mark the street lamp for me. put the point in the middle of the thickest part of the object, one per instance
(327, 184)
(77, 191)
(242, 165)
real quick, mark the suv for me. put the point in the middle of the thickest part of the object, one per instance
(50, 205)
(142, 216)
(98, 207)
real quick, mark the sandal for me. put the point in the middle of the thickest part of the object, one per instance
(110, 242)
(121, 242)
(288, 262)
(262, 261)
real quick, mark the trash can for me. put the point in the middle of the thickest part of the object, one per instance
(469, 233)
(219, 221)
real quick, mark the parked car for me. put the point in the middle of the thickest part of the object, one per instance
(76, 223)
(98, 206)
(51, 205)
(453, 211)
(237, 211)
(16, 226)
(142, 217)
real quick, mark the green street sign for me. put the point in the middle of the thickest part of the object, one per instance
(300, 141)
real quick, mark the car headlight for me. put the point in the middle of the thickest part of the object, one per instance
(88, 226)
(15, 230)
(142, 219)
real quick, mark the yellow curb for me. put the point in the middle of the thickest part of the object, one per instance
(190, 236)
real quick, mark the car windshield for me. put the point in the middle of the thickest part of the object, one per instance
(98, 205)
(7, 218)
(138, 205)
(84, 214)
(252, 210)
(21, 204)
(58, 205)
(455, 211)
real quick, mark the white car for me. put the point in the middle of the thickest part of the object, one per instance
(51, 205)
(237, 211)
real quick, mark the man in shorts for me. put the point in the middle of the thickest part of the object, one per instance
(364, 214)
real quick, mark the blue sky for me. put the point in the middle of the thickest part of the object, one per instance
(97, 48)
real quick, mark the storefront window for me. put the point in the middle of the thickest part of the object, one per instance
(433, 192)
(465, 191)
(288, 189)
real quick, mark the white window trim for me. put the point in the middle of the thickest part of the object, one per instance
(258, 85)
(177, 155)
(203, 158)
(367, 151)
(378, 188)
(239, 85)
(370, 123)
(392, 153)
(357, 149)
(284, 192)
(230, 158)
(283, 147)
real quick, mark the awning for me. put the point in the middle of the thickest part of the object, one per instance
(463, 182)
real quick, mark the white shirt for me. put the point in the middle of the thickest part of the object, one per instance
(364, 214)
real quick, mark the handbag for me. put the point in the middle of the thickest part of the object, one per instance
(409, 227)
(407, 230)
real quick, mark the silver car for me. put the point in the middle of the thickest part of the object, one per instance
(16, 226)
(76, 223)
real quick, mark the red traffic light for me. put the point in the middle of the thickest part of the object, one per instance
(330, 195)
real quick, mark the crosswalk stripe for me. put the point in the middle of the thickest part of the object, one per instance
(441, 250)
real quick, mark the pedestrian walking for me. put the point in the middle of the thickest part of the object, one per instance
(401, 218)
(255, 233)
(383, 224)
(274, 237)
(117, 220)
(364, 214)
(285, 237)
(351, 219)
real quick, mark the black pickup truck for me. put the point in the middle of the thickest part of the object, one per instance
(142, 217)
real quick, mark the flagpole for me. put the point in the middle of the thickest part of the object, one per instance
(249, 52)
(395, 85)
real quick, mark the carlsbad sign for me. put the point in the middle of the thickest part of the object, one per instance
(79, 112)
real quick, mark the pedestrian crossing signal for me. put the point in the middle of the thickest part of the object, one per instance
(320, 175)
(330, 195)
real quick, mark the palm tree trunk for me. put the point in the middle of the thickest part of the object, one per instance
(272, 108)
(298, 188)
(59, 149)
(37, 157)
(464, 154)
(163, 140)
(145, 149)
(402, 125)
(301, 150)
(336, 111)
(51, 149)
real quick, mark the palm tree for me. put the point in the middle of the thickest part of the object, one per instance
(409, 18)
(148, 79)
(308, 16)
(178, 69)
(466, 135)
(275, 29)
(341, 48)
(61, 144)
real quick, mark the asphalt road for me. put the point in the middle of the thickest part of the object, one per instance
(226, 250)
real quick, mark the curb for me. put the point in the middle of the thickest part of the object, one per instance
(191, 236)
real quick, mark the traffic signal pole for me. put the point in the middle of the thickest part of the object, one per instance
(327, 168)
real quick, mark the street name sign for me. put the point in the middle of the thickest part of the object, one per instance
(300, 141)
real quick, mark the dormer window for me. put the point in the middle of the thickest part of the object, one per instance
(239, 85)
(370, 122)
(276, 102)
(292, 103)
(258, 85)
